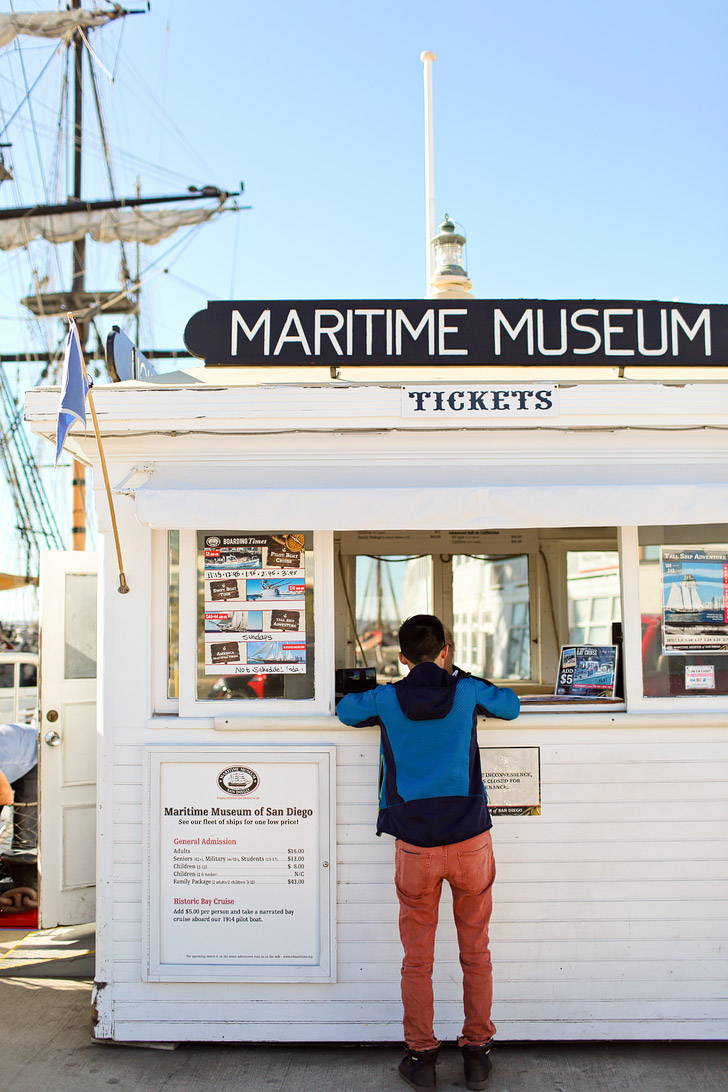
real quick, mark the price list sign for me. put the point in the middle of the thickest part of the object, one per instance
(240, 880)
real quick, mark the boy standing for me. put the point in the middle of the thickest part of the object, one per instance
(432, 800)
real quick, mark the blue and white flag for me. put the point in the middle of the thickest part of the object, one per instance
(74, 389)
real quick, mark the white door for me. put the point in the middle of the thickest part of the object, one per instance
(67, 740)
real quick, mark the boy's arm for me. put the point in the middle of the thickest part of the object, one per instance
(497, 701)
(6, 792)
(358, 709)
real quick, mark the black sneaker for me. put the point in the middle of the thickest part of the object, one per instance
(418, 1068)
(477, 1065)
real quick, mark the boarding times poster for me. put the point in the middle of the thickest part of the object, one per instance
(255, 604)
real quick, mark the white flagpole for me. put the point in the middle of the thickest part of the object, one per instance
(427, 58)
(123, 586)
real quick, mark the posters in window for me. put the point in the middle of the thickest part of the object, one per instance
(587, 671)
(694, 599)
(254, 611)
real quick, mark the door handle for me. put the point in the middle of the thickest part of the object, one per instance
(52, 739)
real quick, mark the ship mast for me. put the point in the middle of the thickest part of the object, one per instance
(111, 220)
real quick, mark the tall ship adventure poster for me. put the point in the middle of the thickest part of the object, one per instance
(694, 596)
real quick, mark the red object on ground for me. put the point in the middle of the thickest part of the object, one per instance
(27, 920)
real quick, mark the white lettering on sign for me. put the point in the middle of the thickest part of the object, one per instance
(480, 402)
(703, 320)
(482, 331)
(501, 322)
(238, 322)
(641, 347)
(619, 326)
(400, 320)
(329, 331)
(443, 330)
(585, 328)
(299, 336)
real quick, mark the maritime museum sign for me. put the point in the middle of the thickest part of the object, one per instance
(441, 332)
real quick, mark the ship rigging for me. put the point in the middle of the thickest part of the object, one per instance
(44, 179)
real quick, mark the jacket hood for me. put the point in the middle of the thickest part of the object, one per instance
(427, 693)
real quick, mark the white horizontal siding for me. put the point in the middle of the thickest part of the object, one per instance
(610, 911)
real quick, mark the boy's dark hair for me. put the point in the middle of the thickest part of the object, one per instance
(421, 638)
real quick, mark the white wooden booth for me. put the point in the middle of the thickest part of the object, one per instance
(241, 892)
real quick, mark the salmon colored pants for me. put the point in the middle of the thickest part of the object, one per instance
(469, 868)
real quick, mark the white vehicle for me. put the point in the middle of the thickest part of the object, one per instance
(18, 687)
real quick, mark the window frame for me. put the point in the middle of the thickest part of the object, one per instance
(162, 704)
(332, 633)
(632, 637)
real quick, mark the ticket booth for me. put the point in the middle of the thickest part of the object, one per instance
(550, 479)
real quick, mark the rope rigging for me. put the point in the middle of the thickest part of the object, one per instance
(48, 151)
(37, 520)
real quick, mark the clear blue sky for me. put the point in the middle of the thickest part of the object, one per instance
(582, 146)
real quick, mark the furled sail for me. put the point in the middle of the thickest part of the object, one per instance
(53, 24)
(104, 226)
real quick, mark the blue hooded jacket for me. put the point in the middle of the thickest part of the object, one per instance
(430, 782)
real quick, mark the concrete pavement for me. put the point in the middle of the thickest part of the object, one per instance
(45, 1043)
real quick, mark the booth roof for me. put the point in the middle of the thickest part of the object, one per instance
(227, 376)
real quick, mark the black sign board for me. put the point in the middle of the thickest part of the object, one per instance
(459, 332)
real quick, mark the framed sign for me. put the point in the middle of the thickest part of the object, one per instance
(239, 882)
(512, 779)
(587, 671)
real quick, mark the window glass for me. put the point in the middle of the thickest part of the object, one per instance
(684, 610)
(255, 635)
(492, 632)
(592, 588)
(173, 615)
(80, 626)
(388, 590)
(7, 676)
(28, 675)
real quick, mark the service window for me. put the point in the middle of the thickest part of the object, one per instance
(511, 600)
(684, 610)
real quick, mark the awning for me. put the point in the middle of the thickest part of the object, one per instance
(422, 497)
